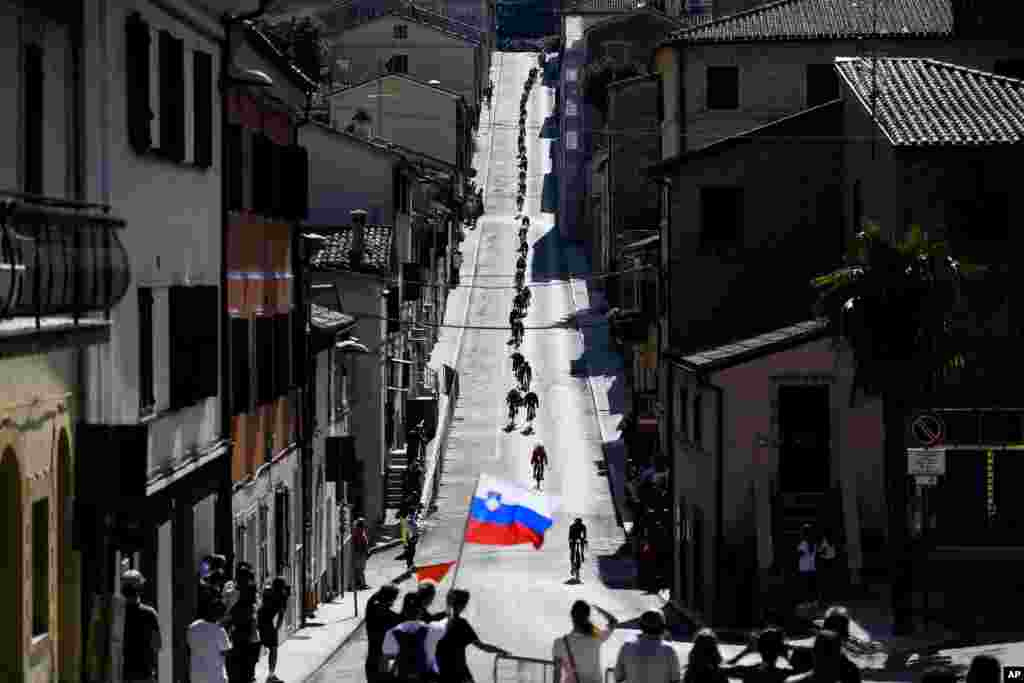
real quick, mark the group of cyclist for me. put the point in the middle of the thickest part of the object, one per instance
(527, 86)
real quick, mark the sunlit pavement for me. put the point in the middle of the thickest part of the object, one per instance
(520, 596)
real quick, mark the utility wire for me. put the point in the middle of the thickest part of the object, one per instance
(569, 323)
(553, 283)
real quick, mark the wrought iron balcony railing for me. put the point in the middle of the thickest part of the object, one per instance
(59, 257)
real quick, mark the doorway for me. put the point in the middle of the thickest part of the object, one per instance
(11, 545)
(804, 438)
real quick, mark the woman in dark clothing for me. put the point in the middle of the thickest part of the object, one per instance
(451, 650)
(771, 645)
(245, 639)
(380, 619)
(705, 662)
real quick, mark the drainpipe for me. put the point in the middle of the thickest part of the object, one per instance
(719, 484)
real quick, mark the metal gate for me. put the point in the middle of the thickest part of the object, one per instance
(510, 669)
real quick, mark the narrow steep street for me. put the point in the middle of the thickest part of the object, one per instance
(520, 596)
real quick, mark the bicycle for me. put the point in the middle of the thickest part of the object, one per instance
(576, 559)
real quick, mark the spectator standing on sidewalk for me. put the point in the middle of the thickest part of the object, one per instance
(407, 643)
(458, 634)
(806, 566)
(380, 618)
(427, 591)
(704, 665)
(771, 645)
(837, 620)
(577, 654)
(827, 660)
(268, 620)
(245, 640)
(648, 659)
(360, 553)
(208, 644)
(141, 641)
(410, 536)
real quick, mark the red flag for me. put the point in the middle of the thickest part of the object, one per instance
(433, 572)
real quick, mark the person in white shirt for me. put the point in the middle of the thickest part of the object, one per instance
(806, 565)
(579, 651)
(208, 644)
(412, 613)
(648, 659)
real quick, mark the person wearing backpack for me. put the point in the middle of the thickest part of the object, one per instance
(407, 645)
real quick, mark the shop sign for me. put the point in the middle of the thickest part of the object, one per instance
(926, 461)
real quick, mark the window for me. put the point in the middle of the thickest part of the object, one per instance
(172, 97)
(240, 542)
(571, 74)
(194, 348)
(137, 58)
(684, 412)
(617, 51)
(282, 528)
(822, 84)
(147, 397)
(1013, 68)
(32, 70)
(202, 109)
(398, 64)
(234, 166)
(264, 570)
(400, 31)
(723, 87)
(661, 99)
(721, 215)
(40, 567)
(572, 109)
(858, 207)
(572, 139)
(241, 367)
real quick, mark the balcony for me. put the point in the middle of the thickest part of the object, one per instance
(61, 263)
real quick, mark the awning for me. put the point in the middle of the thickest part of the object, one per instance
(59, 257)
(325, 325)
(647, 425)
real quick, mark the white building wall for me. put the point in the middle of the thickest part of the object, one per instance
(345, 174)
(173, 215)
(432, 54)
(408, 114)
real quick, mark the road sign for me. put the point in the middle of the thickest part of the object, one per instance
(926, 461)
(928, 429)
(927, 480)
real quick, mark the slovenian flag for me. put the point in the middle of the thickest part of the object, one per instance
(501, 513)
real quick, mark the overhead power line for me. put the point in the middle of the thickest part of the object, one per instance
(567, 324)
(551, 283)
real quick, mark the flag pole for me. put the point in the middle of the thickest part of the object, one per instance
(462, 546)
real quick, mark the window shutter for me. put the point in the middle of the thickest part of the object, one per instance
(396, 189)
(140, 116)
(296, 163)
(33, 102)
(393, 311)
(282, 353)
(182, 326)
(661, 99)
(202, 108)
(241, 367)
(206, 344)
(262, 192)
(265, 374)
(172, 97)
(276, 181)
(234, 167)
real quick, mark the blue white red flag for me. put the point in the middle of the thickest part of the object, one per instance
(502, 513)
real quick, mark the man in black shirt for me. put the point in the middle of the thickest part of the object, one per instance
(142, 642)
(451, 650)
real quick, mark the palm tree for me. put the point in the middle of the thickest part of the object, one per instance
(896, 305)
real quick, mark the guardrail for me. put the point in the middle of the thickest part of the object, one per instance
(525, 670)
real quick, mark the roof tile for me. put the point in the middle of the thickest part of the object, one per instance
(925, 102)
(761, 345)
(811, 19)
(605, 5)
(334, 254)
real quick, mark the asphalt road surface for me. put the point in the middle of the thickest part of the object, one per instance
(520, 597)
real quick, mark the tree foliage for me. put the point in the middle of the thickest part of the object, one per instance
(598, 75)
(897, 304)
(300, 40)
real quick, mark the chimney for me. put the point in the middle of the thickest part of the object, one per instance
(358, 237)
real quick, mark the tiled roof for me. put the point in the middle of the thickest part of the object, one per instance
(603, 6)
(925, 102)
(823, 19)
(334, 254)
(262, 43)
(755, 347)
(439, 21)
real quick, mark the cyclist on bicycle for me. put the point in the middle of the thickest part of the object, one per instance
(513, 399)
(531, 402)
(517, 360)
(577, 542)
(526, 221)
(539, 460)
(525, 375)
(518, 330)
